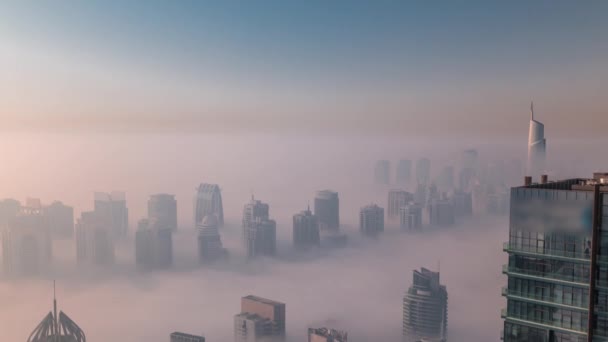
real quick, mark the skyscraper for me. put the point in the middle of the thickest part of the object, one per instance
(112, 209)
(57, 328)
(411, 217)
(371, 220)
(463, 203)
(252, 211)
(260, 319)
(445, 180)
(441, 212)
(26, 242)
(153, 244)
(382, 172)
(261, 238)
(468, 170)
(208, 201)
(537, 145)
(327, 210)
(404, 171)
(9, 208)
(183, 337)
(94, 239)
(423, 171)
(425, 308)
(305, 230)
(557, 286)
(60, 219)
(163, 209)
(396, 200)
(210, 246)
(326, 335)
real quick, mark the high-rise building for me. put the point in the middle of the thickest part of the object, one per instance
(326, 335)
(382, 172)
(112, 209)
(411, 217)
(57, 328)
(404, 171)
(9, 208)
(210, 246)
(327, 210)
(260, 320)
(153, 244)
(26, 242)
(208, 201)
(253, 211)
(94, 239)
(463, 203)
(537, 145)
(396, 200)
(425, 308)
(557, 286)
(305, 230)
(371, 220)
(163, 209)
(423, 171)
(261, 238)
(183, 337)
(441, 212)
(60, 219)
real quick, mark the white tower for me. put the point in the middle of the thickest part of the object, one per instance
(537, 145)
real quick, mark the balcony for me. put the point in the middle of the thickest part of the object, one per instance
(545, 300)
(564, 279)
(541, 323)
(557, 254)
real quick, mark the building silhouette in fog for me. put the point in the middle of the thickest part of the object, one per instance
(112, 209)
(261, 238)
(404, 171)
(153, 244)
(382, 172)
(425, 308)
(183, 337)
(253, 211)
(463, 203)
(410, 217)
(396, 200)
(260, 319)
(537, 145)
(94, 239)
(208, 201)
(9, 208)
(441, 212)
(327, 210)
(57, 328)
(557, 272)
(210, 246)
(468, 170)
(26, 242)
(445, 180)
(60, 219)
(305, 230)
(371, 220)
(423, 171)
(326, 335)
(163, 209)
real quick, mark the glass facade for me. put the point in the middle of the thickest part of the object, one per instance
(550, 265)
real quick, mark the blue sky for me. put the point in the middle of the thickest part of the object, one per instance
(232, 61)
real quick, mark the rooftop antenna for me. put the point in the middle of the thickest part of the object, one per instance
(55, 318)
(531, 110)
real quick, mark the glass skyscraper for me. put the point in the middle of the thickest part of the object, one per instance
(557, 272)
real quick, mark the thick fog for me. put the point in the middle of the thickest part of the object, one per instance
(358, 288)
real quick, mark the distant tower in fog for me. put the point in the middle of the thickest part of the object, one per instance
(396, 199)
(60, 219)
(210, 246)
(371, 220)
(94, 239)
(163, 208)
(423, 171)
(327, 210)
(537, 145)
(112, 208)
(425, 309)
(208, 201)
(404, 171)
(305, 230)
(382, 172)
(153, 244)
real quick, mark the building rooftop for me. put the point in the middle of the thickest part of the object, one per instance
(263, 300)
(580, 184)
(327, 332)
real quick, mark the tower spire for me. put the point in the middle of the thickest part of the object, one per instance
(531, 110)
(55, 318)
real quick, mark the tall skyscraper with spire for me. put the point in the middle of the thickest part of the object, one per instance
(57, 328)
(537, 145)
